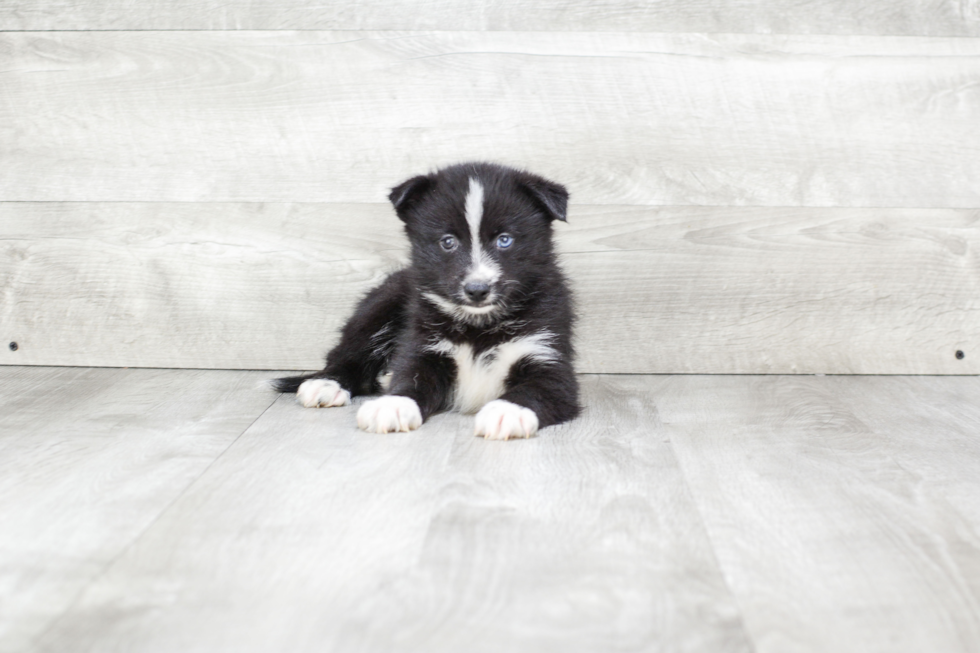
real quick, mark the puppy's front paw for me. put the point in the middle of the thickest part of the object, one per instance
(389, 413)
(503, 420)
(322, 393)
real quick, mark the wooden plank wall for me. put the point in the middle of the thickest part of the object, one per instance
(894, 18)
(754, 189)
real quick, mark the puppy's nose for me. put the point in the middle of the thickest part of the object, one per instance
(476, 291)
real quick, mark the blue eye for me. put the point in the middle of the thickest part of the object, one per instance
(448, 243)
(504, 241)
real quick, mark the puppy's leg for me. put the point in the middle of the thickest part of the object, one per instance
(367, 342)
(420, 386)
(537, 395)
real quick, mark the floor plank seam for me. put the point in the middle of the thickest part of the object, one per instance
(108, 565)
(749, 637)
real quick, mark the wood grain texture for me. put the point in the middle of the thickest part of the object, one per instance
(89, 459)
(308, 535)
(694, 513)
(621, 118)
(843, 510)
(669, 289)
(900, 17)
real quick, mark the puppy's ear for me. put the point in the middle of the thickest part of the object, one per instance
(551, 197)
(408, 193)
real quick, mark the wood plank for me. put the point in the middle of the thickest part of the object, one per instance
(832, 533)
(949, 453)
(669, 289)
(780, 291)
(89, 458)
(622, 118)
(309, 536)
(186, 285)
(899, 17)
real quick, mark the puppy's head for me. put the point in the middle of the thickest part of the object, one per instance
(481, 236)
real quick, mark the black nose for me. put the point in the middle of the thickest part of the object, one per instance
(476, 291)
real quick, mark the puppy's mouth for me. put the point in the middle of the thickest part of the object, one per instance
(465, 310)
(488, 305)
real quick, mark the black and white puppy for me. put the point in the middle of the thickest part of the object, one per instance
(481, 321)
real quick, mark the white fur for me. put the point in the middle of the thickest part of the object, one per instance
(381, 344)
(482, 267)
(322, 393)
(475, 315)
(443, 304)
(479, 310)
(503, 420)
(480, 378)
(388, 414)
(474, 208)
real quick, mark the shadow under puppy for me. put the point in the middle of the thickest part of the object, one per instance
(480, 322)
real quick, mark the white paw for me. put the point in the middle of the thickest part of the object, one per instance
(322, 393)
(389, 413)
(503, 420)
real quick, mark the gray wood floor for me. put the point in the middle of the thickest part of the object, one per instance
(184, 510)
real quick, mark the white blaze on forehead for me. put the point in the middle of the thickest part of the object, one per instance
(482, 267)
(474, 208)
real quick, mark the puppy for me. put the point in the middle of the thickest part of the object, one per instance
(480, 322)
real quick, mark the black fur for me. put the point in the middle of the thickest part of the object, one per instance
(393, 325)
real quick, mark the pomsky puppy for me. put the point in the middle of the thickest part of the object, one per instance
(480, 321)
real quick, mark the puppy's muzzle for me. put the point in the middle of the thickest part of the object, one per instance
(476, 291)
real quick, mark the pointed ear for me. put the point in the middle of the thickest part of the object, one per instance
(551, 197)
(406, 194)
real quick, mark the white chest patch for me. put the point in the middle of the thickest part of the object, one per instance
(480, 378)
